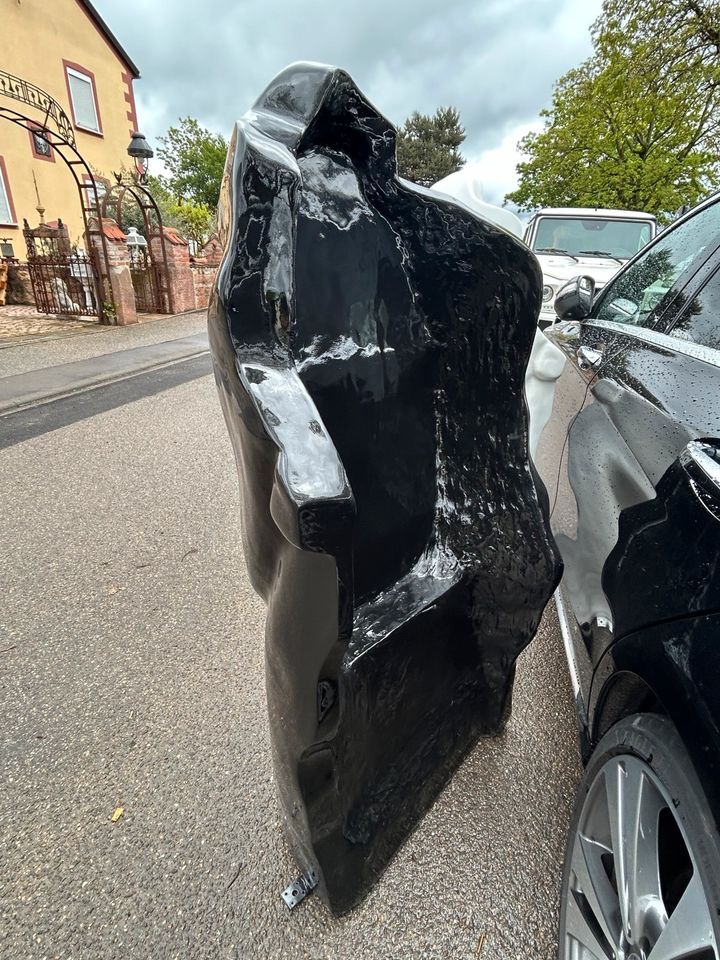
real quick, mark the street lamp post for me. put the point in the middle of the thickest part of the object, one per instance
(140, 151)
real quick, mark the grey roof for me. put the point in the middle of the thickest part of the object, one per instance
(109, 36)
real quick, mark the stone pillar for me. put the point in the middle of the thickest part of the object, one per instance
(177, 281)
(119, 278)
(19, 289)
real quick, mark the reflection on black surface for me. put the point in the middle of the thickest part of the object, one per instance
(700, 321)
(390, 514)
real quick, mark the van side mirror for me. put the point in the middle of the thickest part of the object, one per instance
(574, 299)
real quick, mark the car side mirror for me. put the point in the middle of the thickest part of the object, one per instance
(574, 299)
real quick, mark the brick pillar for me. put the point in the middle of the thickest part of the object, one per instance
(177, 279)
(204, 266)
(119, 277)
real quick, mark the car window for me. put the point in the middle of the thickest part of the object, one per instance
(700, 320)
(604, 237)
(639, 295)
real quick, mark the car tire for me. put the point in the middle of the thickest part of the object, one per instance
(668, 866)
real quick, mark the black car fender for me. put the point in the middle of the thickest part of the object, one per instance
(671, 668)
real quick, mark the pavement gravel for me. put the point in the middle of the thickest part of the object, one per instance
(131, 676)
(38, 354)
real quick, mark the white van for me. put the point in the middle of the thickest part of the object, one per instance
(569, 241)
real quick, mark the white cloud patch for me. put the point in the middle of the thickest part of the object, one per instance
(495, 168)
(494, 60)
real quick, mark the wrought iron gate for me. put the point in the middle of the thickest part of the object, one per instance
(148, 261)
(64, 281)
(145, 281)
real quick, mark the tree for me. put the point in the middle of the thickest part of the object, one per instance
(196, 160)
(193, 220)
(428, 147)
(637, 125)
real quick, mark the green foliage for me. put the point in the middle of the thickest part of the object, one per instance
(637, 125)
(195, 159)
(193, 220)
(428, 147)
(130, 214)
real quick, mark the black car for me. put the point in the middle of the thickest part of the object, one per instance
(635, 512)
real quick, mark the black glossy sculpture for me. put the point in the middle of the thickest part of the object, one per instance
(369, 342)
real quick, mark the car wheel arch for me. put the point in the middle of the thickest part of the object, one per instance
(623, 694)
(647, 672)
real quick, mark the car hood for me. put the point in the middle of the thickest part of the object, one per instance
(564, 268)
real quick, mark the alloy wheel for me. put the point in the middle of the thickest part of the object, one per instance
(635, 891)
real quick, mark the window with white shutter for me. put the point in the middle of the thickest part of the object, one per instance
(83, 100)
(7, 213)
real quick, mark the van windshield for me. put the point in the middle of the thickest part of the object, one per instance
(591, 237)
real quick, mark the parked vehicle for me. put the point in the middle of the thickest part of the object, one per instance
(571, 241)
(635, 512)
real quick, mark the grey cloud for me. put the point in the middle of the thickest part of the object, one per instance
(495, 60)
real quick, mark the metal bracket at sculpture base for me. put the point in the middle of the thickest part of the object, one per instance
(301, 888)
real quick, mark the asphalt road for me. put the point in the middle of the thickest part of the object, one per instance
(131, 675)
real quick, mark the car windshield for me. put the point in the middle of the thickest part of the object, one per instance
(591, 236)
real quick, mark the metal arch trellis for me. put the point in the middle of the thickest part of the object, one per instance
(89, 199)
(19, 89)
(113, 198)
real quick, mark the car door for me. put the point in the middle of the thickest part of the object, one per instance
(662, 566)
(635, 391)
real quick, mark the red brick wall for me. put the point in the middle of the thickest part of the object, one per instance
(179, 278)
(203, 277)
(180, 283)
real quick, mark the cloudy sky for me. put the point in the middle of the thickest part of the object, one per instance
(495, 60)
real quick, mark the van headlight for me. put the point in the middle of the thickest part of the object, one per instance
(548, 293)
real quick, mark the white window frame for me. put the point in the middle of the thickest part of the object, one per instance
(5, 190)
(79, 75)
